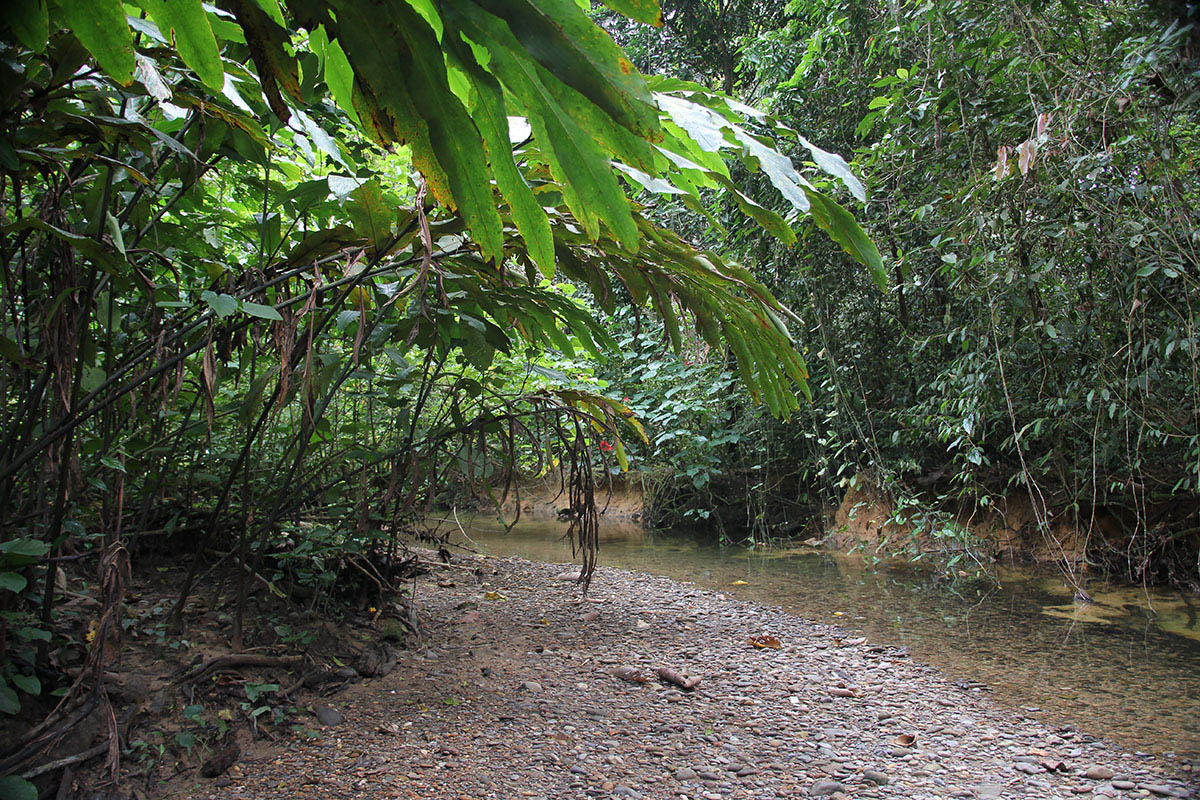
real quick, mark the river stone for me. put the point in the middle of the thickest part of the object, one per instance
(876, 777)
(823, 788)
(1098, 773)
(685, 774)
(328, 716)
(531, 686)
(989, 790)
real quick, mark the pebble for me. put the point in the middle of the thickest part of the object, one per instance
(822, 788)
(328, 716)
(876, 777)
(546, 720)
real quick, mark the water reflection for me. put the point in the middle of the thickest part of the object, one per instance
(1125, 678)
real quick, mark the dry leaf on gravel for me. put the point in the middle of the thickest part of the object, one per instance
(631, 674)
(769, 642)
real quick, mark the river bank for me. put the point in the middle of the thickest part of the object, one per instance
(511, 693)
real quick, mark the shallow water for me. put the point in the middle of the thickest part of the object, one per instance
(1115, 670)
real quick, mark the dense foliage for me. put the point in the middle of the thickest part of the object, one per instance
(1034, 177)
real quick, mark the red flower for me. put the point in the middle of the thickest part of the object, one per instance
(605, 446)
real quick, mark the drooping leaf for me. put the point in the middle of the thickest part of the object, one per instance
(29, 22)
(261, 311)
(836, 166)
(339, 76)
(564, 40)
(185, 24)
(100, 25)
(528, 215)
(453, 136)
(845, 230)
(267, 39)
(589, 186)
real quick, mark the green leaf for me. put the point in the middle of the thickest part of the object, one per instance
(222, 304)
(709, 128)
(9, 704)
(528, 215)
(770, 221)
(185, 24)
(13, 582)
(339, 76)
(112, 463)
(100, 26)
(29, 22)
(590, 188)
(572, 48)
(29, 684)
(836, 166)
(114, 230)
(271, 7)
(843, 229)
(261, 311)
(646, 11)
(14, 788)
(429, 14)
(453, 137)
(369, 214)
(27, 548)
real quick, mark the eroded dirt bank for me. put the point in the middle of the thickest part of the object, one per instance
(512, 695)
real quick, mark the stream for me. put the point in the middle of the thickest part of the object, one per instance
(1126, 668)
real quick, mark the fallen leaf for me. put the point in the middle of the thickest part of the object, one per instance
(631, 674)
(740, 583)
(493, 596)
(765, 642)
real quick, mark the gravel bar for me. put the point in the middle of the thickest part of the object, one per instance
(512, 692)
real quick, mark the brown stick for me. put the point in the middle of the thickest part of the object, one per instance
(91, 752)
(685, 682)
(238, 660)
